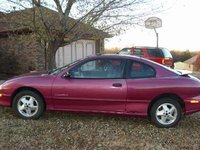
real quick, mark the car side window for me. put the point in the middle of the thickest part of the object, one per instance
(138, 52)
(140, 70)
(99, 69)
(155, 53)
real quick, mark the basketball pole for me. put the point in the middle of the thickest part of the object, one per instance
(156, 37)
(153, 23)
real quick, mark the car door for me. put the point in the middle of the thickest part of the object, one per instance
(96, 85)
(141, 83)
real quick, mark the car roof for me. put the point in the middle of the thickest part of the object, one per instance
(114, 56)
(132, 57)
(167, 70)
(148, 47)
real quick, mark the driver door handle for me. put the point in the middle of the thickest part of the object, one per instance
(117, 85)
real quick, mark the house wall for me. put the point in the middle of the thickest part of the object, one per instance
(20, 54)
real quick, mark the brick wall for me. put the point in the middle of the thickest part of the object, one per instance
(20, 54)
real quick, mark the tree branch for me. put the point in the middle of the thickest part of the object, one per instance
(69, 6)
(57, 2)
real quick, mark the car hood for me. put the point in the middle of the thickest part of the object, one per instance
(32, 73)
(30, 79)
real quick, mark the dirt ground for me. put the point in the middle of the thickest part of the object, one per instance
(72, 131)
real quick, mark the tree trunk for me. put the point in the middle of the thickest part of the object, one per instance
(51, 52)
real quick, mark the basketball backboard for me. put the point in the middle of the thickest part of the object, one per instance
(153, 22)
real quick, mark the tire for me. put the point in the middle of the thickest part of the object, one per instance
(28, 105)
(166, 113)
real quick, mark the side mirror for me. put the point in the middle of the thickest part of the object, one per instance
(67, 75)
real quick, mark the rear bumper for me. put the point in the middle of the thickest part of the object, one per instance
(192, 105)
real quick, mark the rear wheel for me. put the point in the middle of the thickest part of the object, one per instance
(28, 105)
(166, 113)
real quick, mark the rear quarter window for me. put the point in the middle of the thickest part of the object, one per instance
(140, 70)
(155, 53)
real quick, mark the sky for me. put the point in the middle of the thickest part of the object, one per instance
(180, 29)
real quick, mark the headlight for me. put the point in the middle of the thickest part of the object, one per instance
(0, 90)
(1, 83)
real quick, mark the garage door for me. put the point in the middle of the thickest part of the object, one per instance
(74, 51)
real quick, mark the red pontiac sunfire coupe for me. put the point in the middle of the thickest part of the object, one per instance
(106, 84)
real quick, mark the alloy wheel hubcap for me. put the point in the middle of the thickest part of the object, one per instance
(27, 106)
(166, 114)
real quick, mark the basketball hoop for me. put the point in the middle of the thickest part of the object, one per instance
(153, 23)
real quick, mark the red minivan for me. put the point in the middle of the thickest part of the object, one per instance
(159, 55)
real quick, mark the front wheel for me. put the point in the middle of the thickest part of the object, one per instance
(28, 105)
(166, 113)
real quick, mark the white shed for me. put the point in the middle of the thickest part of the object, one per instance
(74, 51)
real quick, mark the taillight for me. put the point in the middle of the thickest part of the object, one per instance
(167, 61)
(163, 61)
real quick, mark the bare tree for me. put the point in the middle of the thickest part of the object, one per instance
(53, 28)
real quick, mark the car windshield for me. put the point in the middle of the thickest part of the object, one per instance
(58, 70)
(125, 51)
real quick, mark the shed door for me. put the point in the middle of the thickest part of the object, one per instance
(74, 51)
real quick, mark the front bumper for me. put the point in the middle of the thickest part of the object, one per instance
(4, 98)
(5, 101)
